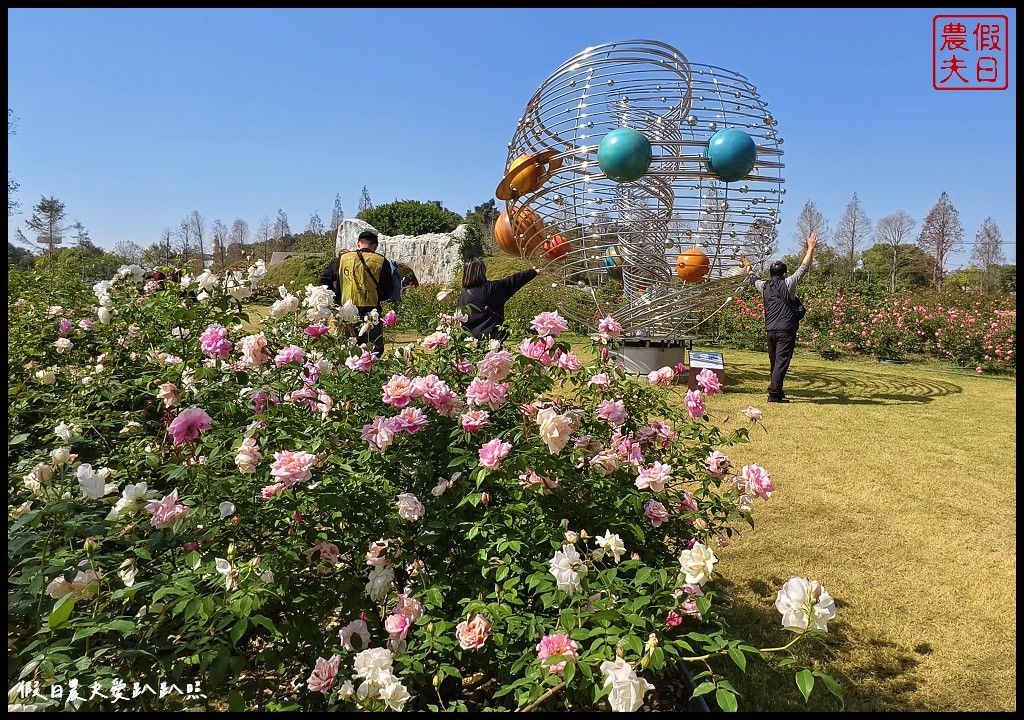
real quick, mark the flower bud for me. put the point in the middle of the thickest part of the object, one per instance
(91, 547)
(231, 551)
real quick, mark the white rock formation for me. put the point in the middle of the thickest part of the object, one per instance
(433, 257)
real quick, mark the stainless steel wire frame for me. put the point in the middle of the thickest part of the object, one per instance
(678, 204)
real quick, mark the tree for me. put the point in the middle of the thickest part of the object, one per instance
(185, 240)
(987, 253)
(264, 237)
(941, 235)
(219, 243)
(315, 227)
(894, 231)
(198, 231)
(167, 253)
(337, 215)
(364, 203)
(46, 222)
(914, 267)
(410, 217)
(281, 229)
(484, 217)
(129, 251)
(19, 258)
(13, 206)
(240, 232)
(810, 221)
(81, 238)
(854, 228)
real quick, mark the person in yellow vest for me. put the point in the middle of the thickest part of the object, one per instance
(363, 276)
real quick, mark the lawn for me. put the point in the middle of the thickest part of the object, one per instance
(895, 486)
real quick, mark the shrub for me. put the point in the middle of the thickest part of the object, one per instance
(279, 520)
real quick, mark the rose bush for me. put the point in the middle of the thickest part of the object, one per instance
(277, 519)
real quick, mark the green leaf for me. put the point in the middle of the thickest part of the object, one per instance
(830, 683)
(238, 630)
(805, 681)
(726, 700)
(739, 658)
(125, 627)
(235, 701)
(18, 439)
(786, 661)
(61, 612)
(703, 689)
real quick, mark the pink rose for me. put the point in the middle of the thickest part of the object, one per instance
(188, 424)
(656, 513)
(558, 644)
(709, 382)
(288, 355)
(322, 677)
(292, 466)
(253, 350)
(472, 634)
(390, 318)
(473, 420)
(315, 330)
(493, 452)
(549, 324)
(695, 404)
(166, 511)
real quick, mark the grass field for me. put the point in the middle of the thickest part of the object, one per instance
(896, 488)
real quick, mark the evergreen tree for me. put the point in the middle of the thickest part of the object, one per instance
(47, 216)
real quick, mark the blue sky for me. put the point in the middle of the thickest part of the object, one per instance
(134, 118)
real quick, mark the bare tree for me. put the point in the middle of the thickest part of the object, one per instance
(894, 230)
(988, 252)
(265, 237)
(853, 230)
(337, 215)
(219, 243)
(13, 206)
(186, 241)
(364, 202)
(240, 232)
(165, 244)
(941, 235)
(198, 233)
(129, 251)
(810, 221)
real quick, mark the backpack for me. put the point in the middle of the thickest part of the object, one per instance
(396, 284)
(798, 308)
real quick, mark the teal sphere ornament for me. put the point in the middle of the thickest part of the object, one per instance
(731, 154)
(624, 155)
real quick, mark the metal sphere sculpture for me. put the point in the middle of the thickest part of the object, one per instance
(632, 156)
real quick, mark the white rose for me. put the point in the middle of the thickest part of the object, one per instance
(381, 579)
(697, 563)
(409, 507)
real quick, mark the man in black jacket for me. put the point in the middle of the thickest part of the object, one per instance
(484, 300)
(780, 319)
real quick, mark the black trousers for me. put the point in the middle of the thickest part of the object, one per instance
(780, 352)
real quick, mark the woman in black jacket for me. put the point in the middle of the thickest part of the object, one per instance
(484, 300)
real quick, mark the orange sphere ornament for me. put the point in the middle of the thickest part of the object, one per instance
(557, 247)
(527, 236)
(692, 265)
(524, 174)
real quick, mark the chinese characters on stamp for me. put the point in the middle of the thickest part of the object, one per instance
(970, 52)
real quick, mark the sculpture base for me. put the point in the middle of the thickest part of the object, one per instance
(642, 356)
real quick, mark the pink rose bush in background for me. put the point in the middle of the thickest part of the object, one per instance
(303, 525)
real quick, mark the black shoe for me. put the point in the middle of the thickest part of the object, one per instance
(778, 399)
